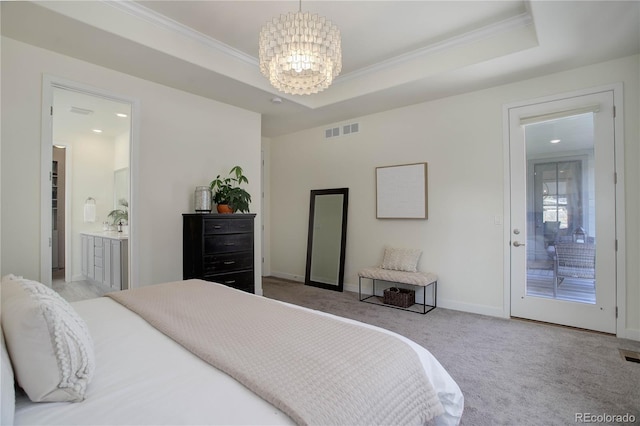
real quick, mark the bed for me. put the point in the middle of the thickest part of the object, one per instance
(142, 377)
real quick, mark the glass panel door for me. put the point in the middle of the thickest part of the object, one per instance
(562, 202)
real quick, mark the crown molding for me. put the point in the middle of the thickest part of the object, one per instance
(363, 76)
(141, 12)
(517, 21)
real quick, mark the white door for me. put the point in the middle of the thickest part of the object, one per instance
(563, 229)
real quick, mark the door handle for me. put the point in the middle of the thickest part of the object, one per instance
(517, 244)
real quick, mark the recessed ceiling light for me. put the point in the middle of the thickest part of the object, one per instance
(554, 141)
(121, 115)
(97, 131)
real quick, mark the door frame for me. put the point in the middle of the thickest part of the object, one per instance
(621, 282)
(49, 83)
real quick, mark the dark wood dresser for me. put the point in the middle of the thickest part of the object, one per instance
(219, 247)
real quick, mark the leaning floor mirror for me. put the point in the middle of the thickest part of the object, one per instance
(327, 238)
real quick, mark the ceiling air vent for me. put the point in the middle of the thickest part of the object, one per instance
(82, 111)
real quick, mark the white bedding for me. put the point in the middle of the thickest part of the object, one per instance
(142, 377)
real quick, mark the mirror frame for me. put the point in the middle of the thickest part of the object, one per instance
(343, 240)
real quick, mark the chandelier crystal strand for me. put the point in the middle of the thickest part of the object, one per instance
(300, 53)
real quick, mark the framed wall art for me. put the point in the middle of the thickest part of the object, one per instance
(401, 191)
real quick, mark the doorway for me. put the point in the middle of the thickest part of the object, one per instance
(58, 212)
(563, 219)
(87, 139)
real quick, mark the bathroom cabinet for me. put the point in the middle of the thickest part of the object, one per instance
(105, 259)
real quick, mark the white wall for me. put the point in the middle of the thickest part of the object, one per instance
(461, 139)
(184, 141)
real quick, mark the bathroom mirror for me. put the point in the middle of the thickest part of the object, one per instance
(120, 187)
(327, 238)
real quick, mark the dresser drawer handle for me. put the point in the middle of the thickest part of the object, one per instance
(230, 282)
(230, 262)
(217, 227)
(229, 244)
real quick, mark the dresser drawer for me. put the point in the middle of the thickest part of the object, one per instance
(227, 243)
(216, 264)
(219, 248)
(240, 280)
(222, 226)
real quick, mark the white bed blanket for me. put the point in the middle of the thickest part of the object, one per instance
(318, 370)
(134, 386)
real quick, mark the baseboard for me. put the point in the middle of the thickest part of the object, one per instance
(629, 333)
(471, 308)
(291, 277)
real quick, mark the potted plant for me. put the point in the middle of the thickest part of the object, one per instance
(227, 193)
(120, 216)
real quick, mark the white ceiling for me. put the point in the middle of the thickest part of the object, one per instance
(78, 115)
(395, 53)
(574, 133)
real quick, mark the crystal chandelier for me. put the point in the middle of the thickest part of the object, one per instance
(300, 53)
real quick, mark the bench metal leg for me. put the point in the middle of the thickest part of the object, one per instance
(373, 294)
(425, 308)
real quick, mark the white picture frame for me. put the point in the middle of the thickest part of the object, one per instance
(401, 191)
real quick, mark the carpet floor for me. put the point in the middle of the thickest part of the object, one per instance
(511, 372)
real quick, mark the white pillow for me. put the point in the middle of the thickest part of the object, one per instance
(49, 344)
(401, 259)
(7, 391)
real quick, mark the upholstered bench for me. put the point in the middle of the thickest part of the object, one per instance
(419, 279)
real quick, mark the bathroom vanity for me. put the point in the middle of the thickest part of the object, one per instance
(105, 258)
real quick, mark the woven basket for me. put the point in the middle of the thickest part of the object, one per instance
(402, 297)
